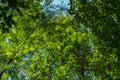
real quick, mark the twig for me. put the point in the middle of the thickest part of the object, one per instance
(14, 54)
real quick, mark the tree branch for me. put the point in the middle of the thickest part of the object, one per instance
(14, 54)
(2, 71)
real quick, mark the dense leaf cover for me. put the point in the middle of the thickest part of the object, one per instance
(42, 41)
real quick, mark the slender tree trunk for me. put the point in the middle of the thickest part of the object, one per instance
(82, 73)
(82, 68)
(2, 72)
(50, 73)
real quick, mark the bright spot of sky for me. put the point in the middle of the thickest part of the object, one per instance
(59, 2)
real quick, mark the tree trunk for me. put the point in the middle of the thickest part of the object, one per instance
(1, 73)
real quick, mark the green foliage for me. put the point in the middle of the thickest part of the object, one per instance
(98, 15)
(81, 45)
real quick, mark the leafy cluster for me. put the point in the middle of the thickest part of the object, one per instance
(38, 41)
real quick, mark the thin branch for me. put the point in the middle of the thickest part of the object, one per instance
(21, 45)
(2, 71)
(14, 54)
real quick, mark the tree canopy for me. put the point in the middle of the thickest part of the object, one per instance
(43, 41)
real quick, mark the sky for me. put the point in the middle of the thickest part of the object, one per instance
(59, 2)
